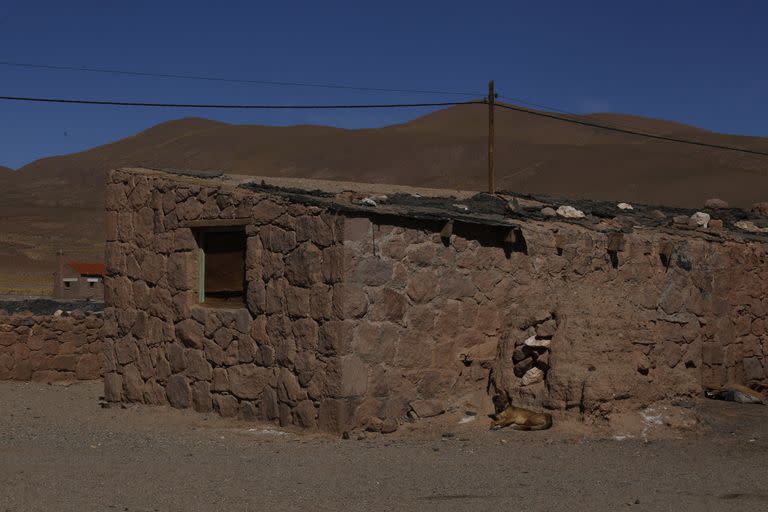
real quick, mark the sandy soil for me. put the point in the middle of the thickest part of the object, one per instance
(59, 450)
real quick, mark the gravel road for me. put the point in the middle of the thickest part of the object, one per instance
(59, 450)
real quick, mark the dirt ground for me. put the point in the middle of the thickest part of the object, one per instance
(59, 450)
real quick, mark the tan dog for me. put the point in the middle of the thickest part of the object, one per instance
(518, 418)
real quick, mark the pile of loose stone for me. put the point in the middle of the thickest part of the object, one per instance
(531, 354)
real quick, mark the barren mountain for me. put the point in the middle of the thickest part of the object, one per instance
(57, 202)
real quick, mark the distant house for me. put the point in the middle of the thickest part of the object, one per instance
(78, 279)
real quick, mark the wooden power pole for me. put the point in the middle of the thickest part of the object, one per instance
(491, 134)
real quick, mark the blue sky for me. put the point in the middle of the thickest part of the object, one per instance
(698, 62)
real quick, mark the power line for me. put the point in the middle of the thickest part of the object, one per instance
(236, 106)
(520, 101)
(233, 80)
(52, 67)
(527, 103)
(628, 131)
(383, 106)
(550, 108)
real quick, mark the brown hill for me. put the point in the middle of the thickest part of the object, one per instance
(57, 202)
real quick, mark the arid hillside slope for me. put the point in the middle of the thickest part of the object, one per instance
(58, 202)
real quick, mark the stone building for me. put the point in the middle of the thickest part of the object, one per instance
(319, 306)
(78, 279)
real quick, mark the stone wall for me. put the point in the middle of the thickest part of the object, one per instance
(276, 358)
(50, 348)
(562, 324)
(366, 320)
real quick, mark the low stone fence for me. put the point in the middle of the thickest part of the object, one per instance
(50, 348)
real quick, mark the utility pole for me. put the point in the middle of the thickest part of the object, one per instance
(491, 134)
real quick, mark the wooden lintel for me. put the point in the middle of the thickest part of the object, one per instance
(665, 251)
(513, 236)
(215, 223)
(447, 230)
(616, 242)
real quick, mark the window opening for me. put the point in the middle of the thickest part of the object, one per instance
(221, 259)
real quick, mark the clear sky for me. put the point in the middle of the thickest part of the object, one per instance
(699, 62)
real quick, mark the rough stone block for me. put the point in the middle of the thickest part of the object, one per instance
(190, 333)
(358, 229)
(269, 404)
(305, 415)
(266, 211)
(454, 285)
(320, 302)
(144, 225)
(335, 337)
(110, 226)
(248, 381)
(389, 305)
(297, 301)
(134, 384)
(182, 271)
(307, 334)
(113, 387)
(422, 287)
(347, 377)
(546, 329)
(427, 408)
(712, 353)
(753, 370)
(333, 264)
(88, 367)
(349, 301)
(373, 271)
(220, 380)
(315, 228)
(227, 405)
(275, 296)
(336, 415)
(276, 239)
(303, 266)
(288, 389)
(389, 425)
(257, 296)
(201, 397)
(65, 362)
(198, 367)
(413, 350)
(178, 392)
(713, 376)
(374, 342)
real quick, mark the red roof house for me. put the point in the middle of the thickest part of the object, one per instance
(78, 279)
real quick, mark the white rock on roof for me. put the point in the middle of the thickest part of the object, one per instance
(625, 206)
(701, 219)
(569, 212)
(748, 225)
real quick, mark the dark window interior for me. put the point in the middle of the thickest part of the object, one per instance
(224, 271)
(66, 284)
